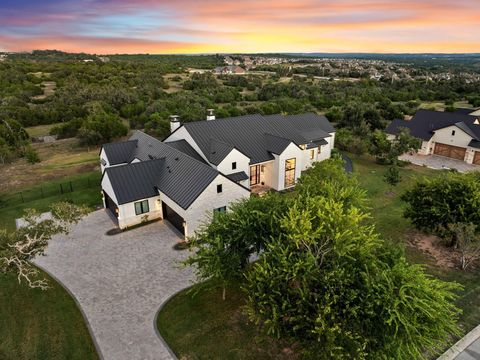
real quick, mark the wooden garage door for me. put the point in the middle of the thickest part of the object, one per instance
(476, 158)
(450, 151)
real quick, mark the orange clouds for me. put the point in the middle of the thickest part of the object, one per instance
(188, 26)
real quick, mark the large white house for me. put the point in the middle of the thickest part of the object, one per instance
(450, 134)
(204, 166)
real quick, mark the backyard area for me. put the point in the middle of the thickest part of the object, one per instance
(201, 317)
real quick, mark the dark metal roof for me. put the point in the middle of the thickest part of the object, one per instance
(276, 144)
(135, 181)
(426, 122)
(186, 148)
(238, 176)
(317, 143)
(247, 133)
(464, 111)
(218, 151)
(176, 174)
(474, 144)
(120, 152)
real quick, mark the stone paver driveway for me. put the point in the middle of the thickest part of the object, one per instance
(439, 162)
(120, 282)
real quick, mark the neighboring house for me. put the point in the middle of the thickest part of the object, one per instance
(451, 134)
(229, 70)
(203, 166)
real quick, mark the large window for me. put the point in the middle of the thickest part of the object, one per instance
(141, 207)
(290, 172)
(254, 174)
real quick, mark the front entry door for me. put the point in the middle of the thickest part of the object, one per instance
(254, 175)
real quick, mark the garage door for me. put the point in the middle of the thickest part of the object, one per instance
(476, 158)
(110, 205)
(175, 219)
(450, 151)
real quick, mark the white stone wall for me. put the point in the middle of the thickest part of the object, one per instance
(127, 217)
(202, 208)
(292, 151)
(444, 136)
(243, 164)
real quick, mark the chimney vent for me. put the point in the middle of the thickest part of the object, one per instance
(210, 114)
(174, 122)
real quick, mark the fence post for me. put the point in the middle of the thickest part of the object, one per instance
(21, 194)
(71, 187)
(61, 189)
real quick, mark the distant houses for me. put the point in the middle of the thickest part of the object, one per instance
(229, 70)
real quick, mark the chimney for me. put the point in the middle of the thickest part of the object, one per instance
(210, 114)
(174, 122)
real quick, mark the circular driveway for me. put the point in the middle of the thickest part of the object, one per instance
(119, 281)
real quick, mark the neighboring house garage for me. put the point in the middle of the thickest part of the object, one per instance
(476, 158)
(454, 152)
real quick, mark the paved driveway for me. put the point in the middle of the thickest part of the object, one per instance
(119, 281)
(439, 162)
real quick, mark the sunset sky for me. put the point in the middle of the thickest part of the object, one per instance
(209, 26)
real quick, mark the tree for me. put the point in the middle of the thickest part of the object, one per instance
(19, 247)
(222, 248)
(387, 150)
(433, 204)
(467, 242)
(331, 284)
(392, 176)
(101, 127)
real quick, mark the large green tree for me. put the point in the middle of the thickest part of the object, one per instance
(433, 204)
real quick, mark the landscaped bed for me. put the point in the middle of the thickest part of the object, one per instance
(203, 326)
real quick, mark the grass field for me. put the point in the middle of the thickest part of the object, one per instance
(59, 159)
(41, 325)
(192, 326)
(40, 130)
(86, 188)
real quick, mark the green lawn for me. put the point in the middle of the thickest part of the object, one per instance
(40, 130)
(36, 324)
(204, 327)
(86, 188)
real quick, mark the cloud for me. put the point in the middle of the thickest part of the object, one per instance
(240, 26)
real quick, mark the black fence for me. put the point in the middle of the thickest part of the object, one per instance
(48, 190)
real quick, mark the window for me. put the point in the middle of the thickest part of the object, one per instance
(141, 207)
(220, 209)
(453, 132)
(219, 188)
(234, 165)
(290, 172)
(254, 174)
(312, 154)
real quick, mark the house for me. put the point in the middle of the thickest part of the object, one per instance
(451, 134)
(204, 166)
(229, 70)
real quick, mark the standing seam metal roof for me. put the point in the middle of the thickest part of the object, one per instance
(247, 133)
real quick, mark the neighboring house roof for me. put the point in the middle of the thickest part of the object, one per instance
(120, 152)
(176, 174)
(426, 122)
(186, 148)
(247, 133)
(238, 176)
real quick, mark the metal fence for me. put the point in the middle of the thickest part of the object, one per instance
(48, 190)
